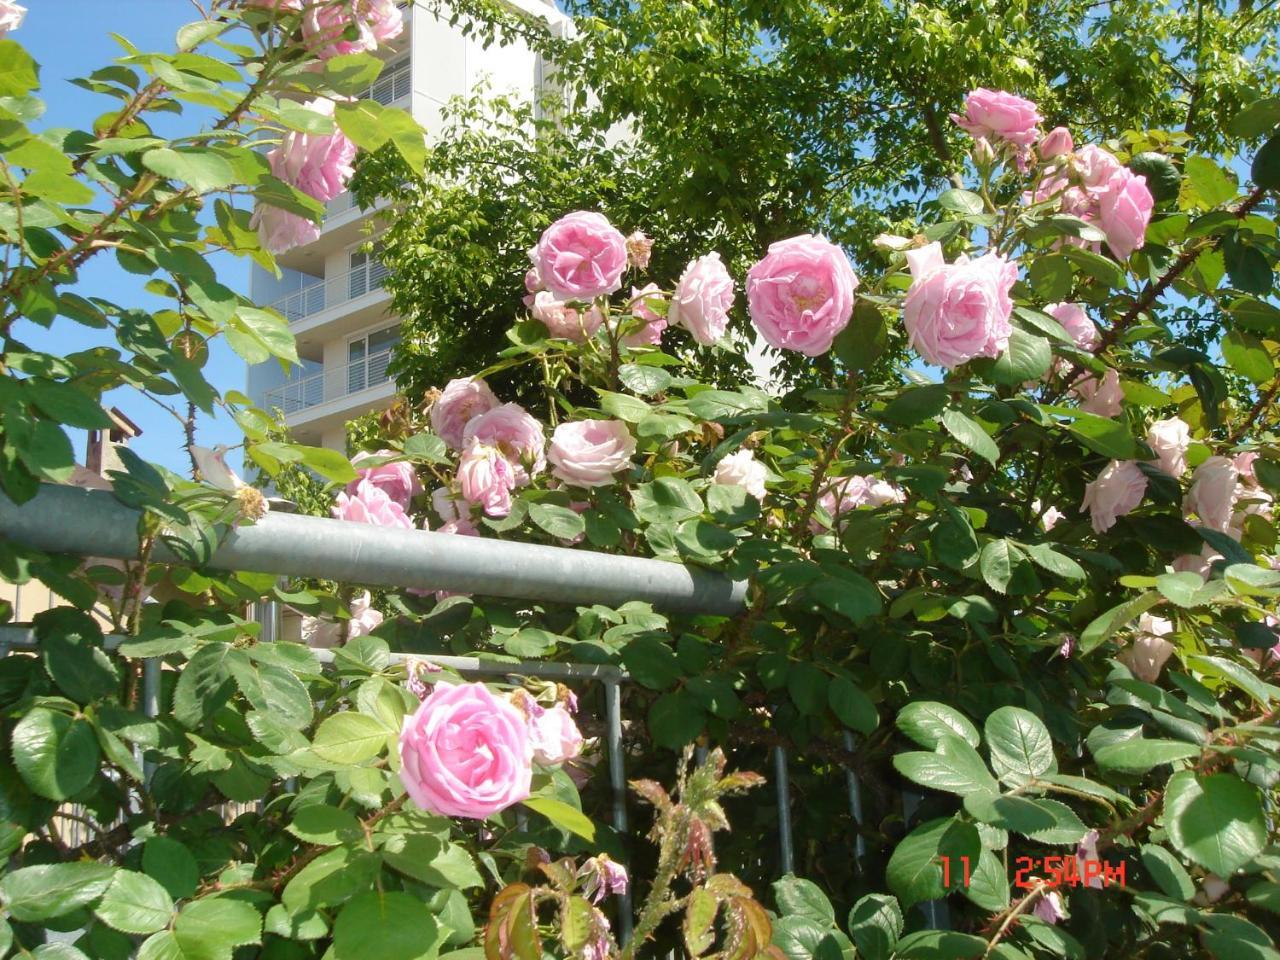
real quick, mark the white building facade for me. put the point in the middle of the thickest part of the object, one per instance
(331, 291)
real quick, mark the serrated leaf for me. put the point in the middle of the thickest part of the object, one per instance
(135, 903)
(927, 722)
(35, 894)
(350, 738)
(970, 433)
(1019, 744)
(1217, 820)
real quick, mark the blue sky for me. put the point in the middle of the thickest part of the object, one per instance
(71, 38)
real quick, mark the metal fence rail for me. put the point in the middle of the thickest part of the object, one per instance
(65, 519)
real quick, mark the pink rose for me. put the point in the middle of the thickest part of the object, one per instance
(1170, 439)
(1086, 852)
(461, 401)
(11, 15)
(702, 299)
(1101, 399)
(371, 504)
(1212, 496)
(955, 312)
(364, 619)
(397, 480)
(998, 115)
(279, 230)
(1149, 651)
(553, 734)
(742, 469)
(325, 23)
(487, 478)
(602, 876)
(1119, 489)
(849, 493)
(1050, 517)
(564, 321)
(1077, 323)
(801, 294)
(1056, 143)
(1096, 167)
(1244, 466)
(639, 249)
(587, 453)
(1124, 210)
(1198, 563)
(465, 753)
(320, 165)
(1049, 906)
(517, 436)
(650, 335)
(580, 257)
(448, 506)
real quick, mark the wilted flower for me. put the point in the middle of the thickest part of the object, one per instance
(602, 876)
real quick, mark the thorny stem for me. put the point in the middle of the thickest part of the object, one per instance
(657, 905)
(1006, 918)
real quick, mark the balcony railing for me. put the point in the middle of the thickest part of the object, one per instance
(330, 384)
(331, 291)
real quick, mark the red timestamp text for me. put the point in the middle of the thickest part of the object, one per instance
(1047, 872)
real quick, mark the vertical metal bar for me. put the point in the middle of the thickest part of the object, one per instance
(855, 803)
(618, 781)
(936, 913)
(783, 784)
(150, 702)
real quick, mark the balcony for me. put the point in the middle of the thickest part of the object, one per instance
(323, 295)
(330, 385)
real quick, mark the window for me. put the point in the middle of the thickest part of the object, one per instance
(394, 83)
(367, 273)
(368, 356)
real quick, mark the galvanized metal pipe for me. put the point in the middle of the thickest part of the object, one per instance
(855, 804)
(65, 519)
(618, 783)
(782, 782)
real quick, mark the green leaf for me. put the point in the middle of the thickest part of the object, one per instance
(1044, 556)
(803, 898)
(330, 464)
(134, 903)
(1235, 674)
(257, 334)
(172, 864)
(1217, 820)
(1027, 358)
(1111, 438)
(1266, 165)
(352, 73)
(67, 404)
(1019, 814)
(914, 871)
(361, 121)
(997, 562)
(955, 768)
(1213, 185)
(325, 826)
(916, 404)
(1162, 176)
(211, 928)
(70, 645)
(875, 923)
(927, 722)
(200, 167)
(1019, 744)
(1170, 876)
(1067, 830)
(850, 595)
(560, 522)
(19, 74)
(865, 338)
(675, 719)
(56, 755)
(350, 738)
(1248, 269)
(644, 379)
(970, 433)
(851, 706)
(666, 500)
(651, 663)
(807, 685)
(1257, 118)
(989, 883)
(1105, 625)
(35, 894)
(1140, 755)
(961, 201)
(563, 816)
(940, 945)
(623, 406)
(407, 135)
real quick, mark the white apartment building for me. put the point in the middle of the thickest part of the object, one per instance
(330, 291)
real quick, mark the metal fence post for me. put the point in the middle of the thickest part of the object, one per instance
(618, 781)
(855, 804)
(783, 784)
